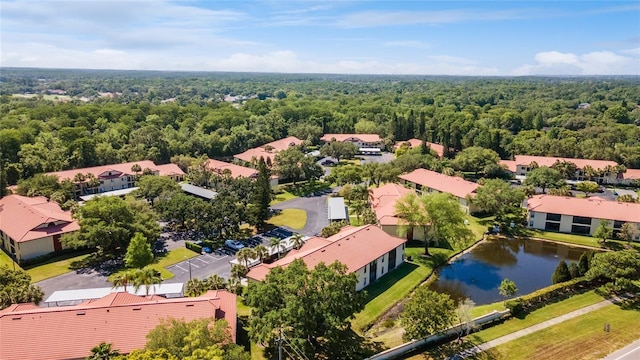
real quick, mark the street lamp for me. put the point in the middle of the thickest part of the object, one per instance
(189, 261)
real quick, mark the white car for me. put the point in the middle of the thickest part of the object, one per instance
(234, 244)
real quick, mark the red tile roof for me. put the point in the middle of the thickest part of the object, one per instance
(593, 207)
(370, 138)
(236, 170)
(275, 146)
(512, 165)
(548, 161)
(414, 143)
(383, 202)
(353, 246)
(28, 332)
(631, 174)
(20, 217)
(124, 168)
(440, 182)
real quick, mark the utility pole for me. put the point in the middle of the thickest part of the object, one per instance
(280, 345)
(189, 261)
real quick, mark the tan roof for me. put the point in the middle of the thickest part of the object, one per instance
(510, 164)
(236, 170)
(548, 161)
(370, 138)
(20, 217)
(353, 246)
(383, 202)
(283, 144)
(631, 174)
(28, 332)
(261, 152)
(440, 182)
(169, 169)
(593, 207)
(414, 143)
(122, 169)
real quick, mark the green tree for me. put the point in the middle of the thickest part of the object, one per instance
(287, 164)
(333, 228)
(574, 270)
(498, 197)
(261, 252)
(146, 277)
(16, 287)
(603, 231)
(464, 313)
(195, 287)
(583, 263)
(139, 252)
(588, 187)
(312, 308)
(618, 267)
(339, 150)
(446, 220)
(566, 168)
(278, 245)
(109, 223)
(244, 255)
(297, 240)
(507, 288)
(628, 232)
(123, 278)
(475, 159)
(262, 195)
(151, 187)
(103, 351)
(160, 354)
(628, 198)
(544, 178)
(561, 274)
(427, 313)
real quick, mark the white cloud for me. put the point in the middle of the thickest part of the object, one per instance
(390, 18)
(592, 63)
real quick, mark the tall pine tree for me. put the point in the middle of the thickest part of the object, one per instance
(262, 195)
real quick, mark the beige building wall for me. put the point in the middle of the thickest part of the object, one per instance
(34, 248)
(382, 268)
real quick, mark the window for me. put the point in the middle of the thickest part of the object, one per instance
(124, 179)
(533, 214)
(582, 220)
(553, 217)
(579, 229)
(531, 223)
(617, 224)
(552, 226)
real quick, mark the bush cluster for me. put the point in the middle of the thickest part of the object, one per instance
(543, 296)
(193, 247)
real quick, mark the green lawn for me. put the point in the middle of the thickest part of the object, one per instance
(293, 218)
(284, 196)
(396, 285)
(172, 257)
(6, 260)
(54, 267)
(579, 338)
(579, 240)
(485, 309)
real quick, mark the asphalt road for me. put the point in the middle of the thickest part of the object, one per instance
(316, 208)
(629, 352)
(83, 279)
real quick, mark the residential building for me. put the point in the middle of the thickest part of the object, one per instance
(579, 215)
(370, 141)
(423, 180)
(630, 177)
(336, 209)
(32, 226)
(268, 151)
(366, 250)
(120, 319)
(235, 171)
(383, 203)
(415, 143)
(115, 176)
(522, 165)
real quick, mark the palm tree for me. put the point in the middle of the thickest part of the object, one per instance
(146, 277)
(359, 208)
(195, 287)
(79, 177)
(244, 255)
(103, 351)
(92, 181)
(261, 252)
(279, 246)
(123, 279)
(136, 170)
(215, 282)
(238, 271)
(589, 172)
(297, 240)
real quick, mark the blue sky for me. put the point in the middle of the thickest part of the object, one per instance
(356, 37)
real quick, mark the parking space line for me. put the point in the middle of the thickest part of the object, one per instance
(199, 259)
(194, 265)
(180, 267)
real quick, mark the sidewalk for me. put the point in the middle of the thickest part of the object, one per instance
(531, 329)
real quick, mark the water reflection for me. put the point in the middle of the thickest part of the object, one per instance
(477, 274)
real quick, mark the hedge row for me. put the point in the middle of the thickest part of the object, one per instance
(543, 296)
(193, 247)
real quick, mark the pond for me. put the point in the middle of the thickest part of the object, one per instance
(478, 273)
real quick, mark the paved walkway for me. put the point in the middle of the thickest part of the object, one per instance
(629, 352)
(530, 330)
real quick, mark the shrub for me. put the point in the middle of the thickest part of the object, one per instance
(543, 296)
(193, 247)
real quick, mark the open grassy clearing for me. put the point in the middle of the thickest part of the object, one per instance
(396, 285)
(580, 338)
(284, 196)
(172, 257)
(581, 240)
(293, 218)
(53, 267)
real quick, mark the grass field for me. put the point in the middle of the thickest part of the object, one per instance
(580, 338)
(580, 240)
(172, 257)
(54, 267)
(7, 261)
(396, 285)
(293, 218)
(284, 196)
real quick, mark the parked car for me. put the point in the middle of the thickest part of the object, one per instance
(234, 244)
(328, 162)
(207, 250)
